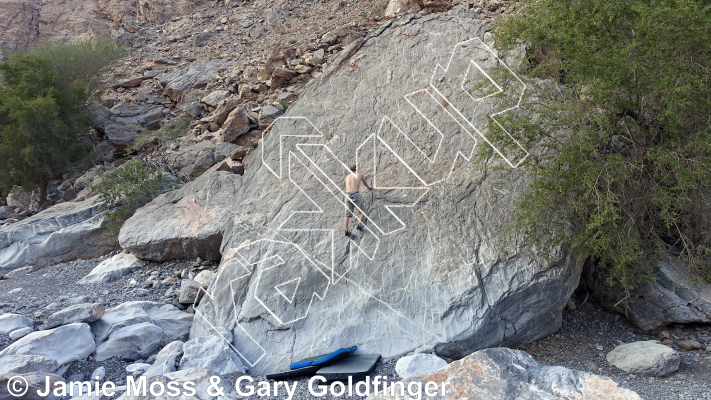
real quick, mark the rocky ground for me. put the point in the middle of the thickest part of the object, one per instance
(587, 334)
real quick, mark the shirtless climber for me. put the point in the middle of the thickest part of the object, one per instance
(353, 181)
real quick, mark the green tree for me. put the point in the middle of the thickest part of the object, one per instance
(43, 98)
(41, 118)
(628, 178)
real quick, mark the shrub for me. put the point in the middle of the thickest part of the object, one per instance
(43, 94)
(167, 133)
(629, 182)
(127, 188)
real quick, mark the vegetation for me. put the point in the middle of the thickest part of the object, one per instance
(630, 181)
(43, 94)
(166, 134)
(127, 188)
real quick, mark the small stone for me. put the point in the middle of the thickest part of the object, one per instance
(330, 38)
(646, 358)
(688, 344)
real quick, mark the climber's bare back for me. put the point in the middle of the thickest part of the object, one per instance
(353, 181)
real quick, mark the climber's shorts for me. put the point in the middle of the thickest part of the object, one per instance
(352, 200)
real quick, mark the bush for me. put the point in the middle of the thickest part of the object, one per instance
(84, 62)
(128, 188)
(629, 182)
(167, 133)
(43, 95)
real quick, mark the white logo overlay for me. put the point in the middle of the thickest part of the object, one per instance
(283, 266)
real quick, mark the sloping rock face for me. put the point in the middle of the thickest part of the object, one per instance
(291, 285)
(26, 22)
(186, 223)
(502, 373)
(678, 295)
(61, 233)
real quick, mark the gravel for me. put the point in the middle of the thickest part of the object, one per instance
(586, 336)
(589, 333)
(54, 284)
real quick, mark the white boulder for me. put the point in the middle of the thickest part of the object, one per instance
(112, 269)
(645, 358)
(65, 344)
(418, 364)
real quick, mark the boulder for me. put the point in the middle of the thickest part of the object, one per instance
(165, 359)
(502, 374)
(418, 364)
(179, 82)
(223, 110)
(61, 233)
(211, 352)
(130, 343)
(65, 344)
(190, 291)
(129, 82)
(646, 358)
(10, 322)
(201, 164)
(19, 198)
(205, 278)
(27, 363)
(228, 150)
(267, 115)
(236, 125)
(186, 223)
(689, 345)
(677, 296)
(402, 6)
(214, 98)
(112, 269)
(36, 381)
(20, 333)
(435, 270)
(5, 212)
(174, 323)
(124, 120)
(87, 312)
(281, 76)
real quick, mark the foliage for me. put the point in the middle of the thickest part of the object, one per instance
(43, 94)
(41, 118)
(83, 62)
(629, 182)
(167, 133)
(127, 188)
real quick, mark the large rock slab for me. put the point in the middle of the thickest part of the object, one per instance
(121, 122)
(186, 223)
(678, 295)
(112, 269)
(502, 374)
(131, 342)
(174, 323)
(443, 276)
(61, 233)
(64, 344)
(10, 322)
(646, 358)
